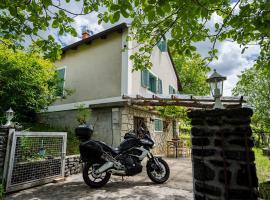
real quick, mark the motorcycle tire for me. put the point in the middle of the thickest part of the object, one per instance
(150, 171)
(93, 183)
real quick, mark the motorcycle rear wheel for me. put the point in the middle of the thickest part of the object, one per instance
(92, 180)
(154, 174)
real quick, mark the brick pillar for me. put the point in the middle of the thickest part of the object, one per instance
(222, 156)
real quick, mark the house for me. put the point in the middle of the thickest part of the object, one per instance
(100, 73)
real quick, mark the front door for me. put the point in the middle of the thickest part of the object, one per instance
(139, 122)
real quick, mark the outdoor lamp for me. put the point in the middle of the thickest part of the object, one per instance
(216, 86)
(9, 117)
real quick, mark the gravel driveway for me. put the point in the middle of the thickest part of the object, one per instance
(139, 187)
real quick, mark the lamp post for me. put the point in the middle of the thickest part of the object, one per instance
(216, 85)
(9, 117)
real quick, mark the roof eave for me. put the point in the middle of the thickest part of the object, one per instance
(118, 27)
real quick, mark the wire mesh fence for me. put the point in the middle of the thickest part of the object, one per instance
(35, 157)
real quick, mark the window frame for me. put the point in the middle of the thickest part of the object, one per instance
(162, 125)
(173, 90)
(156, 80)
(64, 81)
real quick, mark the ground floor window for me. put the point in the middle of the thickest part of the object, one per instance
(158, 125)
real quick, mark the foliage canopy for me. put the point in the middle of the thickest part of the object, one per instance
(27, 82)
(255, 84)
(246, 22)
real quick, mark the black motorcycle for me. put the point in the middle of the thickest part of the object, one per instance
(101, 161)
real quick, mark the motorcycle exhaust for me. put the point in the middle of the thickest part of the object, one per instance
(117, 172)
(104, 167)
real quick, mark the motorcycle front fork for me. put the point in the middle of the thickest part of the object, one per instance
(155, 159)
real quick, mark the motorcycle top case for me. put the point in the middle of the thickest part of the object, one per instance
(91, 151)
(84, 132)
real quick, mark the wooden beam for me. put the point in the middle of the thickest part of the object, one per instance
(103, 37)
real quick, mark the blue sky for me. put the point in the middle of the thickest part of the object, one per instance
(230, 60)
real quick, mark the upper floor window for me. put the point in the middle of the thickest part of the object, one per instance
(171, 90)
(61, 77)
(151, 82)
(162, 45)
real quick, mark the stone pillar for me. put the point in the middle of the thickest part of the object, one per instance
(4, 132)
(222, 156)
(116, 130)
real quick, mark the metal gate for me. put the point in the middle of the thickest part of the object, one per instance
(35, 158)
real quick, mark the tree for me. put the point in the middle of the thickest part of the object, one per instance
(193, 74)
(27, 82)
(255, 84)
(186, 21)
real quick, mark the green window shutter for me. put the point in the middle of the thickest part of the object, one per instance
(162, 45)
(145, 78)
(158, 125)
(170, 90)
(61, 80)
(152, 83)
(159, 86)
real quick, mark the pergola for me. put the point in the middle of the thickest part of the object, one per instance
(189, 101)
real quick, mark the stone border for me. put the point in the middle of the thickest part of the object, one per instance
(73, 165)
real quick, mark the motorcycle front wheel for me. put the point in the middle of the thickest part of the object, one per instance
(158, 174)
(93, 180)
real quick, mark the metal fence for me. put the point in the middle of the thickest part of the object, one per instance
(35, 158)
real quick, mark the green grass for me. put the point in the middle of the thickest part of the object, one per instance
(263, 173)
(262, 165)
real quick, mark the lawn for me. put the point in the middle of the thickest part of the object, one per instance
(263, 172)
(262, 165)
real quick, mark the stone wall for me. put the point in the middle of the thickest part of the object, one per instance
(160, 138)
(222, 156)
(72, 165)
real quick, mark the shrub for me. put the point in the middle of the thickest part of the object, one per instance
(28, 83)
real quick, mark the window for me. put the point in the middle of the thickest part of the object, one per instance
(152, 83)
(172, 90)
(162, 45)
(158, 125)
(145, 78)
(61, 77)
(159, 87)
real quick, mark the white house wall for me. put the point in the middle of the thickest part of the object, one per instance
(93, 71)
(162, 68)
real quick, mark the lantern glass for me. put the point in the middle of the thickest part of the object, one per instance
(216, 87)
(9, 114)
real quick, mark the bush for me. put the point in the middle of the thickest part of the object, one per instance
(28, 83)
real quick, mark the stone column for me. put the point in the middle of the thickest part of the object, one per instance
(222, 156)
(116, 126)
(4, 132)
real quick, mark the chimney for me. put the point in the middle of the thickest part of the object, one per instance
(85, 35)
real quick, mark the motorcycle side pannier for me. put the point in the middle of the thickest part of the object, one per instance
(91, 151)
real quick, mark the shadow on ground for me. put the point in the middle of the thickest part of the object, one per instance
(138, 187)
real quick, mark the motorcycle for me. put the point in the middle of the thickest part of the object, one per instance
(100, 161)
